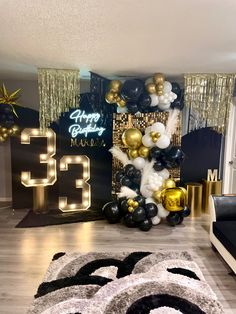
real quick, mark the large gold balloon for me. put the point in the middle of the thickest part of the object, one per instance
(121, 103)
(115, 86)
(158, 78)
(133, 153)
(169, 183)
(174, 199)
(151, 88)
(110, 97)
(132, 138)
(143, 151)
(157, 196)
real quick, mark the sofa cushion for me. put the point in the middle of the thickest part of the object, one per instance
(225, 207)
(225, 231)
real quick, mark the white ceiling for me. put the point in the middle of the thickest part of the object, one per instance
(122, 37)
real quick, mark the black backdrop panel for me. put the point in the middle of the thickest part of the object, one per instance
(202, 149)
(26, 158)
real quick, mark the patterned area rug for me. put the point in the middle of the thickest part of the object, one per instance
(131, 283)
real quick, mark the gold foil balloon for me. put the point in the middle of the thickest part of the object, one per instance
(157, 196)
(132, 138)
(151, 88)
(158, 78)
(110, 97)
(115, 86)
(143, 151)
(121, 103)
(174, 199)
(133, 153)
(169, 183)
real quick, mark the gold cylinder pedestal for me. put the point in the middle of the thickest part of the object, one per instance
(40, 199)
(210, 188)
(194, 191)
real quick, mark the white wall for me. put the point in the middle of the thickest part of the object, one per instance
(29, 98)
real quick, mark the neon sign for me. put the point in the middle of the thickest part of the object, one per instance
(85, 123)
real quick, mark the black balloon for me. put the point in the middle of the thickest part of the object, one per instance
(111, 212)
(186, 212)
(173, 219)
(144, 102)
(128, 221)
(172, 157)
(139, 214)
(140, 199)
(177, 104)
(151, 210)
(126, 181)
(155, 153)
(129, 170)
(176, 88)
(124, 207)
(158, 166)
(132, 89)
(132, 107)
(146, 225)
(119, 175)
(137, 173)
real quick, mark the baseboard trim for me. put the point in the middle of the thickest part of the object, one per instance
(5, 199)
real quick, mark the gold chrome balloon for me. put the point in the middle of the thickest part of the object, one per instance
(155, 136)
(132, 138)
(151, 88)
(2, 139)
(10, 131)
(159, 87)
(130, 202)
(115, 86)
(160, 93)
(110, 97)
(15, 129)
(157, 196)
(133, 153)
(4, 135)
(169, 183)
(135, 204)
(158, 78)
(174, 199)
(130, 209)
(121, 103)
(143, 151)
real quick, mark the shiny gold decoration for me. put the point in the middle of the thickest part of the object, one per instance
(143, 151)
(121, 103)
(4, 135)
(174, 199)
(123, 121)
(15, 129)
(9, 131)
(151, 88)
(209, 97)
(158, 78)
(9, 99)
(155, 136)
(157, 196)
(40, 203)
(133, 153)
(159, 87)
(117, 98)
(194, 191)
(130, 202)
(2, 139)
(59, 90)
(210, 188)
(130, 209)
(132, 205)
(169, 183)
(3, 130)
(132, 138)
(110, 97)
(115, 86)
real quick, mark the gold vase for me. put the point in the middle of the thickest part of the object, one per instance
(210, 188)
(194, 192)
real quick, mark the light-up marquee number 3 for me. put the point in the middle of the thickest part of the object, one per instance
(51, 178)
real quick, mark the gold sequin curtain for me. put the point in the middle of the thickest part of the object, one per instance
(209, 97)
(59, 90)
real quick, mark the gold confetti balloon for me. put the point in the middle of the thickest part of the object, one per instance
(174, 199)
(132, 138)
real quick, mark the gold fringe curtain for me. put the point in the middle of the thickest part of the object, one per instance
(59, 90)
(209, 97)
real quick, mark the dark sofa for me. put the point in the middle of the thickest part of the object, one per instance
(223, 227)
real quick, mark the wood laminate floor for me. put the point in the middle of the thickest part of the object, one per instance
(26, 253)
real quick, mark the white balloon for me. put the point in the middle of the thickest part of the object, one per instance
(158, 127)
(163, 106)
(146, 192)
(167, 87)
(149, 80)
(161, 98)
(149, 200)
(155, 100)
(174, 96)
(122, 109)
(163, 141)
(162, 212)
(147, 141)
(139, 163)
(164, 174)
(156, 220)
(148, 129)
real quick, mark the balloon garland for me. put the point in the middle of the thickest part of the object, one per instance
(7, 113)
(148, 194)
(135, 95)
